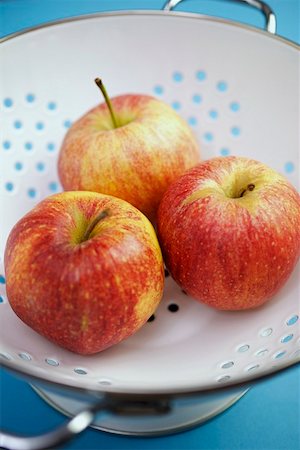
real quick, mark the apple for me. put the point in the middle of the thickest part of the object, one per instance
(229, 230)
(131, 147)
(84, 270)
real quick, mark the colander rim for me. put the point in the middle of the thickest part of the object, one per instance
(124, 13)
(30, 377)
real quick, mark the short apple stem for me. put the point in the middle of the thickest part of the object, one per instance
(101, 86)
(250, 187)
(94, 222)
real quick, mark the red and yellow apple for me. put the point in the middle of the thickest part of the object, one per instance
(230, 232)
(84, 270)
(131, 147)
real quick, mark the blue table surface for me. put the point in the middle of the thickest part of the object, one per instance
(268, 416)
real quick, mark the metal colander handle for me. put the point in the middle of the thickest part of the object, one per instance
(74, 426)
(53, 438)
(268, 13)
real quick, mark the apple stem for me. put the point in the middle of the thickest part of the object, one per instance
(101, 86)
(250, 187)
(94, 222)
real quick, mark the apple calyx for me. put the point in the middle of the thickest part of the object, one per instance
(101, 86)
(92, 225)
(250, 188)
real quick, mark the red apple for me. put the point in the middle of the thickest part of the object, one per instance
(230, 232)
(84, 270)
(132, 147)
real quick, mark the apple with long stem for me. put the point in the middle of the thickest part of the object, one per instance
(230, 232)
(131, 146)
(84, 270)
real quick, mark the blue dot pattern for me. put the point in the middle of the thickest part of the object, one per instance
(222, 86)
(28, 145)
(51, 106)
(80, 371)
(2, 279)
(53, 186)
(176, 105)
(234, 106)
(287, 338)
(225, 151)
(177, 76)
(18, 165)
(192, 121)
(30, 98)
(9, 186)
(40, 166)
(50, 146)
(67, 123)
(280, 355)
(39, 126)
(208, 137)
(292, 320)
(7, 102)
(1, 299)
(197, 98)
(158, 90)
(235, 131)
(31, 193)
(213, 114)
(18, 124)
(6, 145)
(201, 75)
(289, 167)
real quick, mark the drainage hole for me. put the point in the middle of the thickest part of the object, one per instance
(173, 307)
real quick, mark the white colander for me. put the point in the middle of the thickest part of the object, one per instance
(238, 88)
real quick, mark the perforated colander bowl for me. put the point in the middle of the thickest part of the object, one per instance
(238, 88)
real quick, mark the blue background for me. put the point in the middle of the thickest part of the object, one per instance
(268, 417)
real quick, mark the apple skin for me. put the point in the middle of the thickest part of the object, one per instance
(84, 296)
(227, 251)
(137, 161)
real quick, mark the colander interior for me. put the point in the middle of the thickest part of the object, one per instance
(218, 77)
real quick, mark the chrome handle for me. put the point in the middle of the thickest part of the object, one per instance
(53, 438)
(81, 421)
(268, 13)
